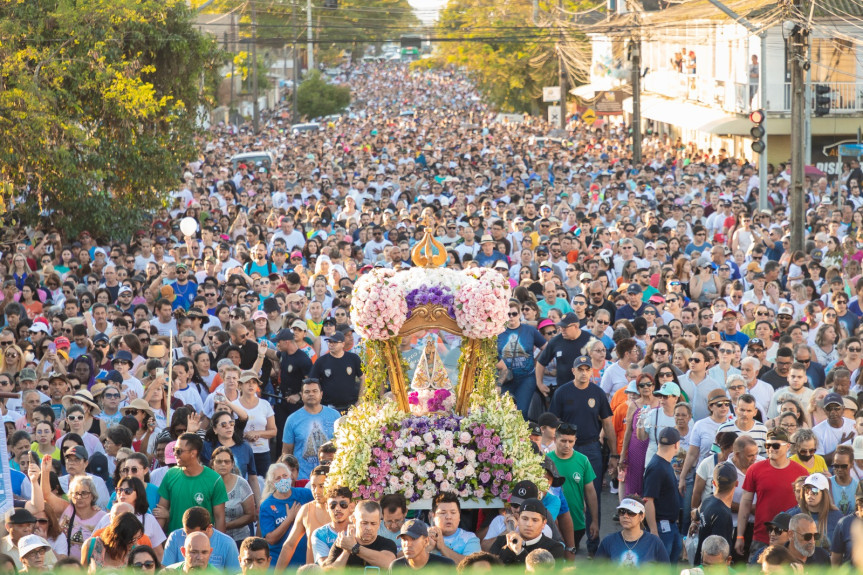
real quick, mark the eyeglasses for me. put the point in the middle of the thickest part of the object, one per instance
(126, 490)
(665, 374)
(841, 466)
(775, 446)
(145, 565)
(127, 470)
(776, 530)
(722, 404)
(809, 536)
(75, 417)
(695, 360)
(342, 504)
(723, 350)
(645, 385)
(626, 513)
(77, 494)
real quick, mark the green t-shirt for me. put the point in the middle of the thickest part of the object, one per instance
(577, 472)
(204, 490)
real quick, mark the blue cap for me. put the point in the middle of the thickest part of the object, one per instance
(580, 361)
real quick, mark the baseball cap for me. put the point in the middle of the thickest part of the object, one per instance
(27, 374)
(669, 435)
(819, 481)
(285, 335)
(729, 312)
(785, 309)
(78, 451)
(781, 520)
(37, 327)
(581, 361)
(337, 337)
(713, 337)
(169, 453)
(259, 315)
(523, 491)
(556, 478)
(669, 388)
(548, 419)
(299, 324)
(777, 434)
(633, 288)
(756, 341)
(533, 505)
(831, 398)
(568, 320)
(725, 474)
(631, 505)
(414, 529)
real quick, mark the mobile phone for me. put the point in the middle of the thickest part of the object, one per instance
(160, 372)
(52, 347)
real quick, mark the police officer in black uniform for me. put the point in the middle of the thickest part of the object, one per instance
(340, 373)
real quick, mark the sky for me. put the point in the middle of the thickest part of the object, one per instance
(427, 9)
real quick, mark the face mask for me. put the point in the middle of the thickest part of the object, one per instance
(804, 457)
(283, 485)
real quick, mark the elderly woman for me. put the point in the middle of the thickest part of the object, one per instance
(79, 519)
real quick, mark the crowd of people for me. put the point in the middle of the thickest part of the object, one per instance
(171, 401)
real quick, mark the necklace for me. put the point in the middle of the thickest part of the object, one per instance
(634, 543)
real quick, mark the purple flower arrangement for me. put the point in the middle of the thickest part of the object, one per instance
(422, 456)
(435, 295)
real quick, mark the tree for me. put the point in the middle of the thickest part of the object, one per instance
(317, 97)
(508, 57)
(99, 104)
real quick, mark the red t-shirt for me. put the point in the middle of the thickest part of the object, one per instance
(774, 492)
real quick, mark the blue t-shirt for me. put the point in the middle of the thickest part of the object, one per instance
(244, 457)
(584, 408)
(488, 261)
(273, 513)
(515, 347)
(844, 497)
(462, 542)
(225, 554)
(648, 549)
(307, 432)
(323, 539)
(185, 295)
(841, 540)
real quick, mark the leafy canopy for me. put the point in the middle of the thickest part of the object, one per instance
(98, 106)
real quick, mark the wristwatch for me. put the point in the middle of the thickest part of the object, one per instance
(355, 549)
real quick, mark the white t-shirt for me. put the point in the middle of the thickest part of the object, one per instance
(191, 397)
(257, 422)
(152, 529)
(829, 437)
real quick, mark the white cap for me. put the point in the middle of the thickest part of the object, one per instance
(818, 480)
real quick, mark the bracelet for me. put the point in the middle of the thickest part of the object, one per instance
(741, 537)
(614, 456)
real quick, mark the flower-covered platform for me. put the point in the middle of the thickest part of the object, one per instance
(464, 437)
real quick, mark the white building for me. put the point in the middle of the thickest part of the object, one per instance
(697, 85)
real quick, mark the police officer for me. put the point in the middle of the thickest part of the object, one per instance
(294, 366)
(570, 343)
(340, 373)
(584, 405)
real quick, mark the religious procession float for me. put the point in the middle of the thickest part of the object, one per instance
(433, 436)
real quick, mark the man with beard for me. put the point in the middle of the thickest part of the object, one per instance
(803, 541)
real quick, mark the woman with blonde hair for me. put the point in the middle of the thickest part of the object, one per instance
(12, 360)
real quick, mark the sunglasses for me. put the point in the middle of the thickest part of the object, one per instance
(722, 404)
(130, 470)
(513, 314)
(645, 385)
(75, 417)
(145, 565)
(342, 504)
(809, 536)
(126, 490)
(626, 512)
(775, 446)
(776, 530)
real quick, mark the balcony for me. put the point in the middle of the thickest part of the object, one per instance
(846, 97)
(732, 97)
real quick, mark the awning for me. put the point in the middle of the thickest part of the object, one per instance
(691, 116)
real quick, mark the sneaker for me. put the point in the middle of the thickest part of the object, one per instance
(613, 489)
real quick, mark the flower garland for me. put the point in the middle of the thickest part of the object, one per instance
(378, 307)
(482, 303)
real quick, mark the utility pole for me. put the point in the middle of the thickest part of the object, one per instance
(561, 72)
(231, 101)
(255, 111)
(636, 99)
(309, 38)
(807, 154)
(798, 111)
(296, 71)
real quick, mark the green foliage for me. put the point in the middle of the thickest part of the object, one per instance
(508, 57)
(98, 106)
(317, 97)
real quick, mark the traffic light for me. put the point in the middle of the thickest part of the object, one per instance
(822, 100)
(757, 132)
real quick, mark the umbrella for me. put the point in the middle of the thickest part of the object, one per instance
(813, 172)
